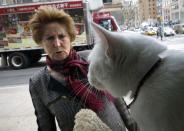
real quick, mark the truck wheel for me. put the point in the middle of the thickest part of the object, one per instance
(18, 60)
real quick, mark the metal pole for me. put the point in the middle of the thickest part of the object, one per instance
(87, 19)
(162, 19)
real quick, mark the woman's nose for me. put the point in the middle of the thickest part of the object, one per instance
(57, 42)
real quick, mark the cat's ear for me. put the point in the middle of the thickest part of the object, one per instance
(101, 35)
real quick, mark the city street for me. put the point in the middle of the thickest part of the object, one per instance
(176, 42)
(18, 27)
(9, 77)
(17, 113)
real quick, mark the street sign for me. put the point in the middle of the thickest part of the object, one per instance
(22, 8)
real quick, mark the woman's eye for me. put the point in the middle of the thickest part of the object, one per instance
(61, 36)
(50, 38)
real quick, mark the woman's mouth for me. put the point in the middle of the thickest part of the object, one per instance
(61, 51)
(58, 51)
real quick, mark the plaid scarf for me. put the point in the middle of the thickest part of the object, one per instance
(73, 68)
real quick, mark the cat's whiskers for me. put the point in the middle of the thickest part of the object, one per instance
(86, 93)
(77, 92)
(85, 96)
(81, 80)
(85, 83)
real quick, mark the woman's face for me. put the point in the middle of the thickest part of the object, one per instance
(56, 41)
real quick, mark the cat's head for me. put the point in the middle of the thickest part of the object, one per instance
(119, 60)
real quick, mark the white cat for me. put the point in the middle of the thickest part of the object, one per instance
(123, 62)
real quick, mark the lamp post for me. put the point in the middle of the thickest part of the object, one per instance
(162, 23)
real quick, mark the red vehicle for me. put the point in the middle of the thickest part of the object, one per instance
(106, 20)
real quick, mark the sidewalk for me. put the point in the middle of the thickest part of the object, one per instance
(16, 109)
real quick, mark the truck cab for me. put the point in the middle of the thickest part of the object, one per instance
(106, 20)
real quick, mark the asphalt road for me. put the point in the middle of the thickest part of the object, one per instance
(10, 77)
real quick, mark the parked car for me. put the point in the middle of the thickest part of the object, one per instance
(168, 31)
(150, 31)
(139, 30)
(179, 28)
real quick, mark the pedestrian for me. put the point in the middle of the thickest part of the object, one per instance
(160, 32)
(60, 89)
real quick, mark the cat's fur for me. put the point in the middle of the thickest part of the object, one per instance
(120, 61)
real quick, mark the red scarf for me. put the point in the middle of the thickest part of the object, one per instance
(70, 68)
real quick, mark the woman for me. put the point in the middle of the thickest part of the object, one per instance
(60, 90)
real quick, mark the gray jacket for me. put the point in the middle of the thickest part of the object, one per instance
(51, 99)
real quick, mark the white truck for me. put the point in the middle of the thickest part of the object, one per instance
(17, 48)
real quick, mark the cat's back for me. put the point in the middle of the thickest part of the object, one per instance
(172, 62)
(168, 74)
(160, 100)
